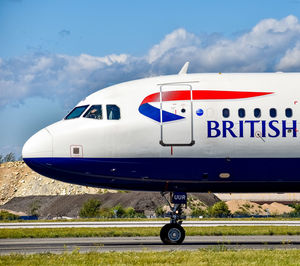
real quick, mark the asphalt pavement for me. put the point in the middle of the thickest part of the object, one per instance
(106, 244)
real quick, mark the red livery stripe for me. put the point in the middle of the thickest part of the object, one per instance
(201, 95)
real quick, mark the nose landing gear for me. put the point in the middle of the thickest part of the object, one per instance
(173, 233)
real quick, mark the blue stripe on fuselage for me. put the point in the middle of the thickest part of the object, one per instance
(189, 174)
(154, 113)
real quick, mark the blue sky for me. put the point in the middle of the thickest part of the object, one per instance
(55, 52)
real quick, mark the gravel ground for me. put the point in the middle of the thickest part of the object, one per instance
(69, 205)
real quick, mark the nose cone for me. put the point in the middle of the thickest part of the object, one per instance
(39, 145)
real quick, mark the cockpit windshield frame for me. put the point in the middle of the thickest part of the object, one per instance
(94, 112)
(113, 112)
(76, 112)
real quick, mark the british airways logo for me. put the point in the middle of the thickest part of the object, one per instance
(158, 115)
(253, 128)
(225, 128)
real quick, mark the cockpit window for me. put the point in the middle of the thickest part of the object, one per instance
(113, 112)
(94, 112)
(76, 112)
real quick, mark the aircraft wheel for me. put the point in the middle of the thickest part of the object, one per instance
(172, 234)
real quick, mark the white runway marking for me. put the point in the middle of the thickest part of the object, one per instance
(146, 224)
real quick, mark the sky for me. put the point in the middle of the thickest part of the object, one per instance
(53, 53)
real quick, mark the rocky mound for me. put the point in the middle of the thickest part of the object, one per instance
(70, 205)
(252, 208)
(17, 180)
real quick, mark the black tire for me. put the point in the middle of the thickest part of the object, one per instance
(172, 234)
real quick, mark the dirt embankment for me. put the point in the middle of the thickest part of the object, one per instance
(18, 180)
(252, 208)
(70, 205)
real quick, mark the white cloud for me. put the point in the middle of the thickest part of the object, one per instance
(179, 38)
(270, 45)
(67, 77)
(291, 60)
(257, 50)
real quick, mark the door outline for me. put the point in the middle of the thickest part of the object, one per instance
(161, 142)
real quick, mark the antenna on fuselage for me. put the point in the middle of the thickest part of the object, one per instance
(184, 69)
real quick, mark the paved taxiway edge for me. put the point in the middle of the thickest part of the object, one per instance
(106, 244)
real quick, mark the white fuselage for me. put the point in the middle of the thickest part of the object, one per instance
(190, 116)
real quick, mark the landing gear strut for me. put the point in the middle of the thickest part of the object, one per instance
(173, 233)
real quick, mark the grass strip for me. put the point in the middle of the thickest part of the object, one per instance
(200, 257)
(146, 231)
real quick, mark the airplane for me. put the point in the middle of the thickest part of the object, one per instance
(215, 132)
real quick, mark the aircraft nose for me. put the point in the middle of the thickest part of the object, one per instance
(39, 145)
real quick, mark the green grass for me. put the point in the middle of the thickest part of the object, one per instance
(275, 218)
(146, 231)
(91, 220)
(200, 257)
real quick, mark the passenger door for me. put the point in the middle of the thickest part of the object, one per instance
(176, 115)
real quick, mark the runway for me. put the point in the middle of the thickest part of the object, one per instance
(146, 224)
(106, 244)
